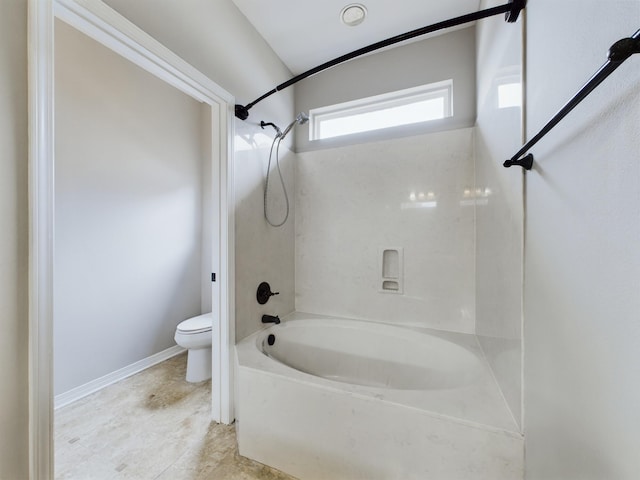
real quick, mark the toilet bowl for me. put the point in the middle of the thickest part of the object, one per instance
(194, 334)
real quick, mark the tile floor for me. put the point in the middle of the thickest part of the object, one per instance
(151, 426)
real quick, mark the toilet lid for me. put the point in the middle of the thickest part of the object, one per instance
(199, 324)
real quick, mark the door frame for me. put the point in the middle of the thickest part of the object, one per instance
(103, 24)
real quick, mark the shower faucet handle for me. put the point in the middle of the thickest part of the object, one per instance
(264, 293)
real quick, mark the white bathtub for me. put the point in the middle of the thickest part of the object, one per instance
(370, 354)
(349, 399)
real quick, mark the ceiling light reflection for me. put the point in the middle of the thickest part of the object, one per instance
(410, 205)
(420, 200)
(477, 196)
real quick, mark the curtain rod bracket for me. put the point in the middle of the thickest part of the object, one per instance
(516, 7)
(623, 49)
(242, 112)
(525, 162)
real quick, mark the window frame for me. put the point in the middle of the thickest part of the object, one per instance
(375, 103)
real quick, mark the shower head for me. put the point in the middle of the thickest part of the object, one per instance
(301, 119)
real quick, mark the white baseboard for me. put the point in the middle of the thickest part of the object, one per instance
(99, 383)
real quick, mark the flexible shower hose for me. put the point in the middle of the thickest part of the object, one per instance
(276, 144)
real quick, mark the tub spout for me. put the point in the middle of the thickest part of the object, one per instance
(270, 319)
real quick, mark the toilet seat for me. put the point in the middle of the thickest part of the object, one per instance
(200, 324)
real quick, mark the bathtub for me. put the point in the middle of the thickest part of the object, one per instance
(330, 398)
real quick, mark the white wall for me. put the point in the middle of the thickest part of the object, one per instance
(499, 213)
(129, 173)
(13, 241)
(218, 40)
(443, 57)
(353, 200)
(263, 253)
(582, 263)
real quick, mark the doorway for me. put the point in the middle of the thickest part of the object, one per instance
(103, 25)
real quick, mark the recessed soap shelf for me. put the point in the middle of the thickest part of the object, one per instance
(391, 260)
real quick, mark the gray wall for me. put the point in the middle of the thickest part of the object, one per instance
(448, 56)
(13, 241)
(499, 214)
(219, 41)
(582, 262)
(128, 211)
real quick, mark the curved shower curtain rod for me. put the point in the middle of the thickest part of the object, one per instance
(618, 53)
(511, 10)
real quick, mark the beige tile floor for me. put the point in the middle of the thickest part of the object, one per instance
(153, 425)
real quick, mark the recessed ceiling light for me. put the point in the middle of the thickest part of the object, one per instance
(353, 14)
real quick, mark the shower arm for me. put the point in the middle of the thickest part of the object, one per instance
(618, 53)
(275, 127)
(511, 10)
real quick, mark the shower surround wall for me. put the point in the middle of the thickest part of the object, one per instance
(413, 193)
(263, 253)
(499, 210)
(375, 191)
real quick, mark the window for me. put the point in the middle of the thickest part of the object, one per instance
(509, 95)
(404, 107)
(510, 92)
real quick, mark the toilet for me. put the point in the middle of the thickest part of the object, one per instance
(194, 334)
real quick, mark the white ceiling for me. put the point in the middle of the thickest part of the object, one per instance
(306, 33)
